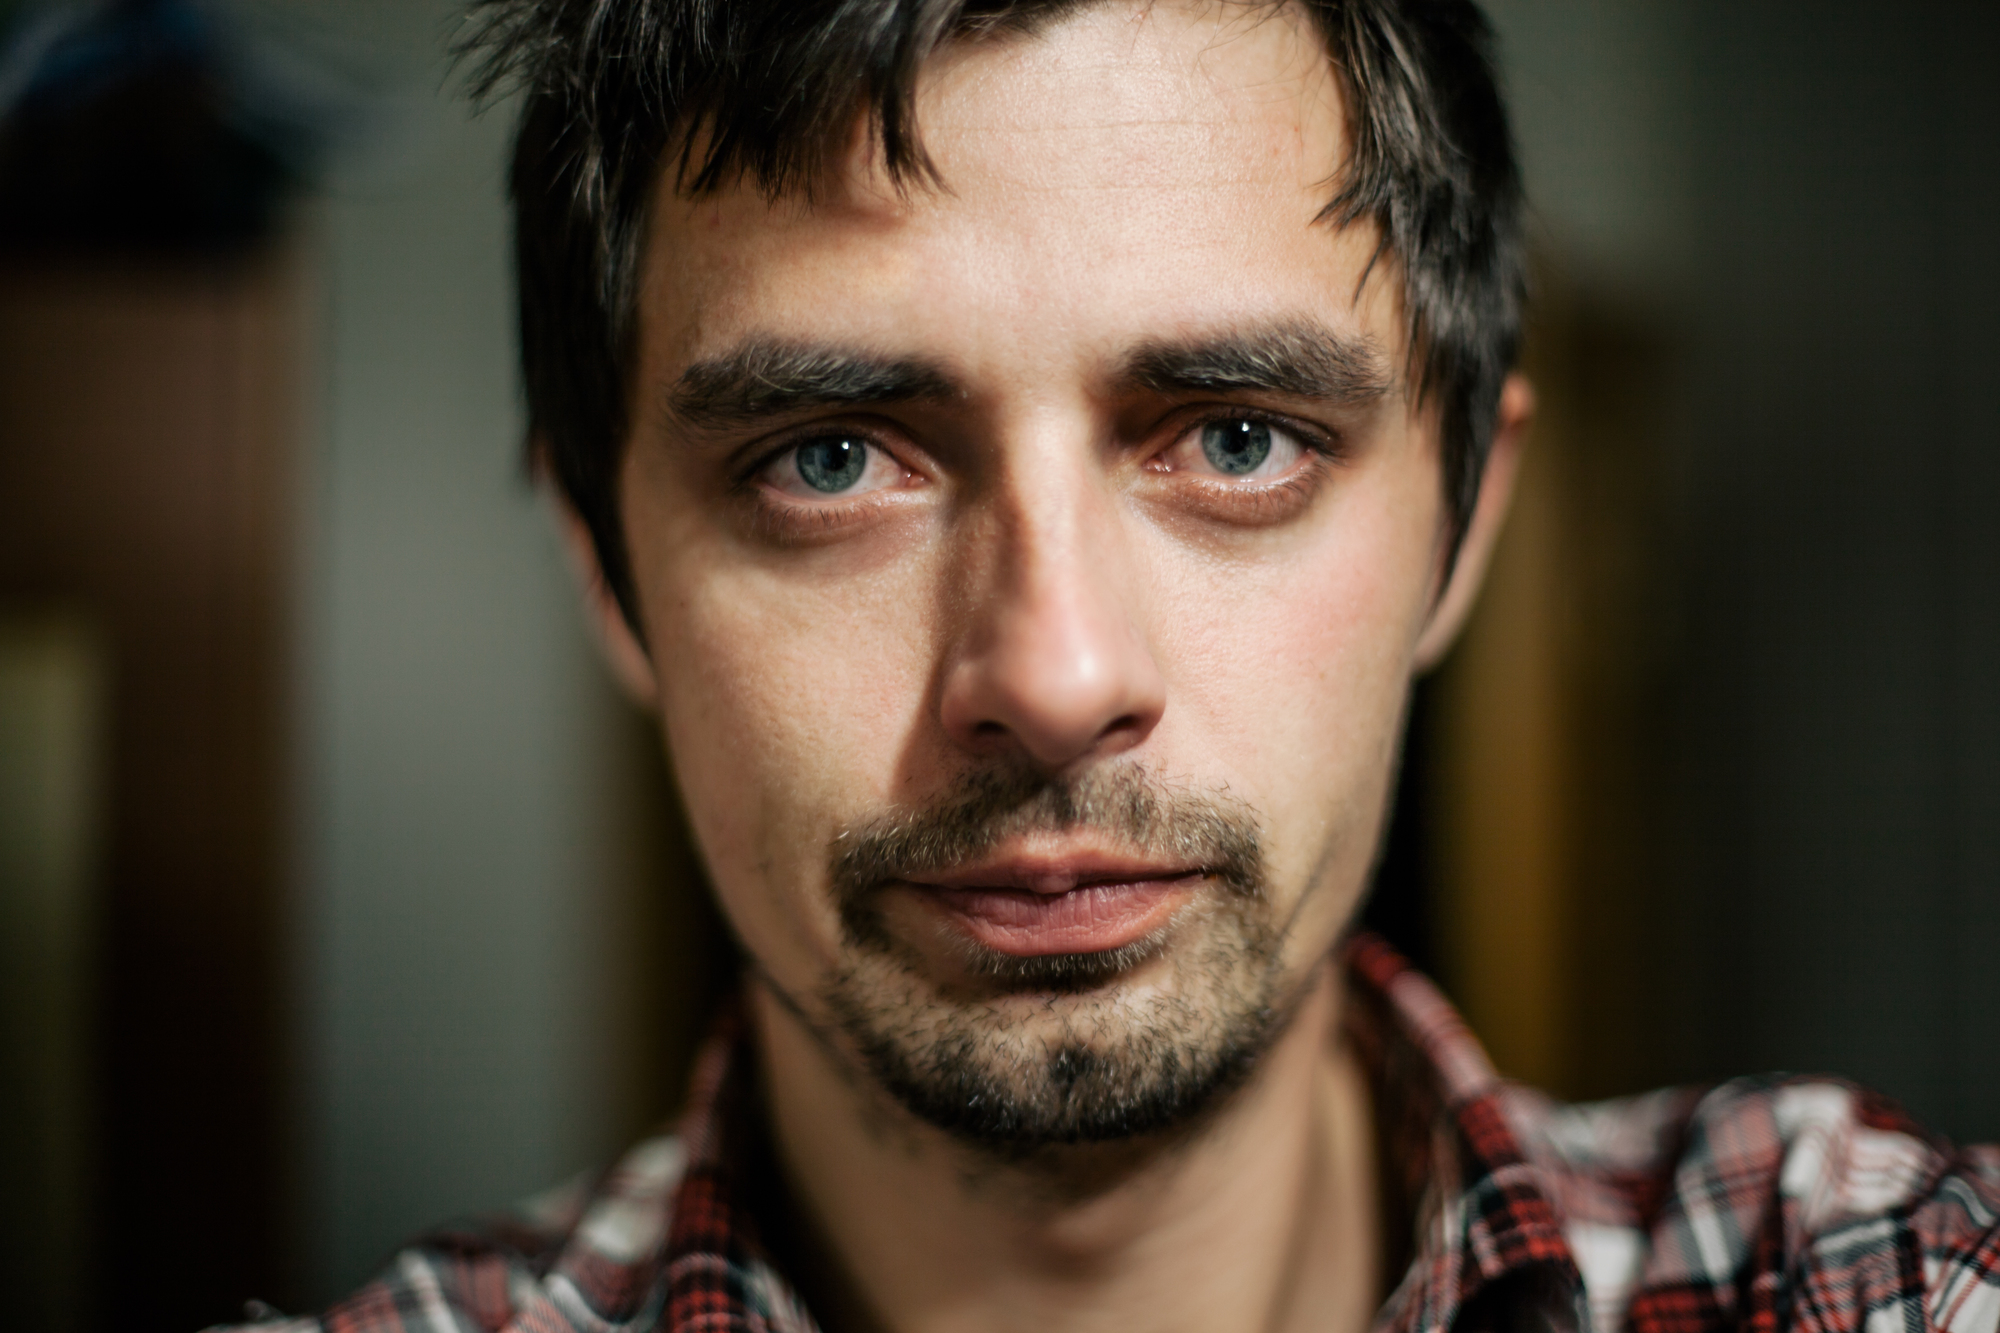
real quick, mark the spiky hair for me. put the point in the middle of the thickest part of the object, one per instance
(768, 91)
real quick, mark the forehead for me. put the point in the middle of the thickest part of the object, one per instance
(1130, 171)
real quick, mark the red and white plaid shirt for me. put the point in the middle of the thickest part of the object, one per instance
(1763, 1204)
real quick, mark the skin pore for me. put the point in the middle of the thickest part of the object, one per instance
(1092, 469)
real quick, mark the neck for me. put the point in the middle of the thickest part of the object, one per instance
(1264, 1218)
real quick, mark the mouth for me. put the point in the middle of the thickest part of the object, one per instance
(1030, 907)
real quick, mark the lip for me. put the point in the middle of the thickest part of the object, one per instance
(1054, 875)
(1029, 906)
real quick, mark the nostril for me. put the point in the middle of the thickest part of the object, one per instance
(989, 728)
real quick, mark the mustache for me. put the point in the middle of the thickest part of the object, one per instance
(1211, 830)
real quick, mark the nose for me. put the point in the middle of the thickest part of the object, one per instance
(1052, 658)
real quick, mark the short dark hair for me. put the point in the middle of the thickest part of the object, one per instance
(768, 91)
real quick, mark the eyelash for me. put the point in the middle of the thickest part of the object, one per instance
(1317, 441)
(1255, 503)
(787, 522)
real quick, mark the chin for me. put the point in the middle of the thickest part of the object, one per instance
(1012, 1055)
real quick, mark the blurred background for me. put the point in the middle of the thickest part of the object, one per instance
(339, 895)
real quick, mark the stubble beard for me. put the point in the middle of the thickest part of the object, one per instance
(1044, 1052)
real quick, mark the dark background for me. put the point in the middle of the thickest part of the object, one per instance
(340, 895)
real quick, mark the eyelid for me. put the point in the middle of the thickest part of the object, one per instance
(749, 461)
(1320, 439)
(1314, 440)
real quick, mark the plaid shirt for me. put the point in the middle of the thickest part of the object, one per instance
(1762, 1204)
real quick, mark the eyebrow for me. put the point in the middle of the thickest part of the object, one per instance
(1296, 358)
(765, 378)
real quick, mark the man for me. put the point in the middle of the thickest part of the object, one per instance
(1025, 451)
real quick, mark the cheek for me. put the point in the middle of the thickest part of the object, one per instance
(1293, 671)
(786, 714)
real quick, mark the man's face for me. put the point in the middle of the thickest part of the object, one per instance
(1032, 567)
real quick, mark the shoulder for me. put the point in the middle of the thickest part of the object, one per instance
(1810, 1201)
(573, 1257)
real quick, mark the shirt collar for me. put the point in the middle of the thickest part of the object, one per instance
(1489, 1248)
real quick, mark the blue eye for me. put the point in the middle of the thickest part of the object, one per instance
(832, 464)
(1236, 448)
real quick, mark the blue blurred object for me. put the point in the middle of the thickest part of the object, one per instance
(147, 126)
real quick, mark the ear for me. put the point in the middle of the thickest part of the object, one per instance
(620, 646)
(1489, 512)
